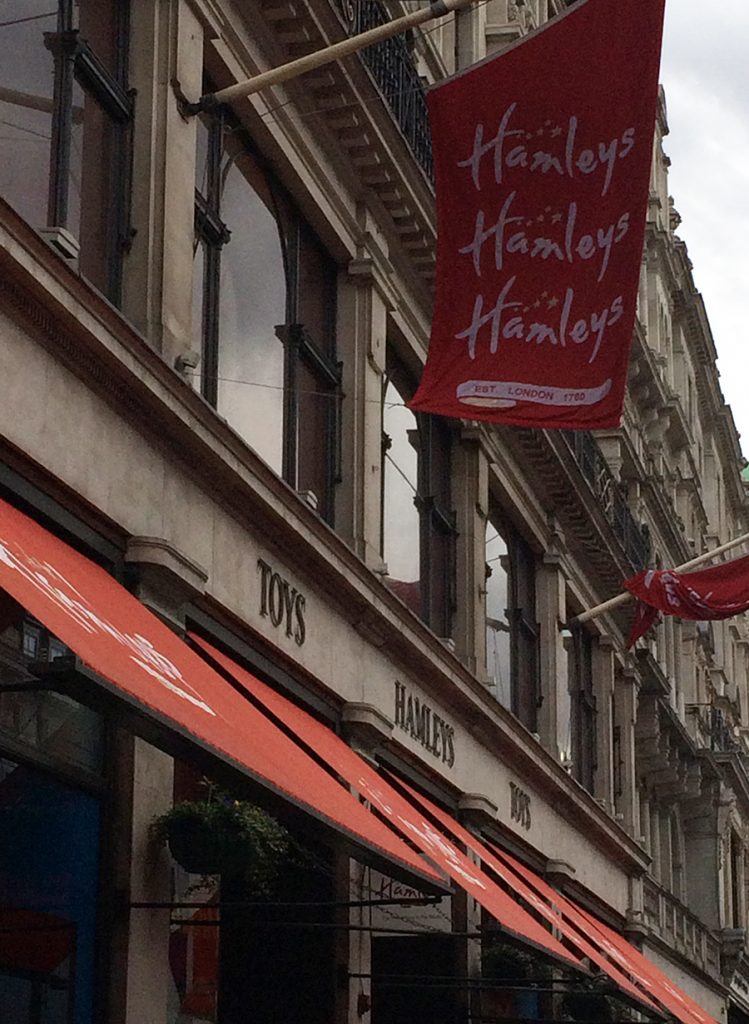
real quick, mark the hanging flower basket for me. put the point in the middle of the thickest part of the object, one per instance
(219, 837)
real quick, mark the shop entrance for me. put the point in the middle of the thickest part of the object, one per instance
(411, 979)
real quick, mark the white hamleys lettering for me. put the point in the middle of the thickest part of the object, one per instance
(568, 246)
(569, 161)
(60, 592)
(583, 330)
(422, 830)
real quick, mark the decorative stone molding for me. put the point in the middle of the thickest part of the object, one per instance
(477, 810)
(166, 578)
(365, 728)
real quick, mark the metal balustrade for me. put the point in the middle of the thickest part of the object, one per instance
(391, 65)
(608, 491)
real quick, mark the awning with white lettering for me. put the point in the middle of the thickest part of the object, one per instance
(142, 664)
(608, 951)
(400, 812)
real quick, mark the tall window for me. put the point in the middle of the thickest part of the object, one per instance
(264, 315)
(418, 524)
(583, 709)
(511, 629)
(64, 122)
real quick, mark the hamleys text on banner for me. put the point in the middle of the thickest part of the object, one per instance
(542, 161)
(719, 592)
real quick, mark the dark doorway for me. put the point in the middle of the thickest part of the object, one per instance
(273, 968)
(410, 979)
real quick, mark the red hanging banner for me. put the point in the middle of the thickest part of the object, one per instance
(542, 161)
(719, 592)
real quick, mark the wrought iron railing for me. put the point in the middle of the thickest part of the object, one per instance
(608, 491)
(722, 739)
(391, 65)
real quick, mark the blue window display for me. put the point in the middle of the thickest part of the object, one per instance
(49, 863)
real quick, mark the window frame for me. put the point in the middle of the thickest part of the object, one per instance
(521, 617)
(584, 709)
(300, 349)
(75, 62)
(438, 530)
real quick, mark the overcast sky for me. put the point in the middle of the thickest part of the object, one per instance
(704, 72)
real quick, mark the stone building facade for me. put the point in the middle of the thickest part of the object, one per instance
(210, 327)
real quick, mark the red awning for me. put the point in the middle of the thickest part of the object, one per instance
(518, 881)
(652, 978)
(645, 974)
(145, 664)
(406, 818)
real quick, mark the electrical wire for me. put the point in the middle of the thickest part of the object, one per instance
(31, 17)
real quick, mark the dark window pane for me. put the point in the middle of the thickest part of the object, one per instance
(98, 22)
(252, 305)
(316, 410)
(437, 533)
(92, 161)
(198, 300)
(202, 141)
(316, 292)
(26, 100)
(583, 710)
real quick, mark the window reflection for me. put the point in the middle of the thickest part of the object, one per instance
(512, 635)
(264, 314)
(26, 101)
(253, 304)
(64, 112)
(497, 615)
(401, 532)
(43, 721)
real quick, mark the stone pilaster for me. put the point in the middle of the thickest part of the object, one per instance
(158, 276)
(627, 804)
(604, 682)
(552, 614)
(363, 307)
(471, 493)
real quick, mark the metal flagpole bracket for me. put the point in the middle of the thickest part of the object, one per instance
(242, 90)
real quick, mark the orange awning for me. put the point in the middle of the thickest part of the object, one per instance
(645, 974)
(606, 949)
(518, 880)
(402, 814)
(144, 664)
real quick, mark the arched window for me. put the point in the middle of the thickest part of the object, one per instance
(418, 524)
(264, 315)
(512, 635)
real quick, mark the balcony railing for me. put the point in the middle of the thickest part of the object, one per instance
(391, 65)
(712, 730)
(608, 491)
(673, 923)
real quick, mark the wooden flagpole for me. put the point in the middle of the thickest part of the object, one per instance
(621, 599)
(437, 9)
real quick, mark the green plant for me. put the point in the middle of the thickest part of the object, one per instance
(226, 837)
(505, 962)
(591, 1000)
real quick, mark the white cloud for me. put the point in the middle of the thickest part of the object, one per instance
(704, 74)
